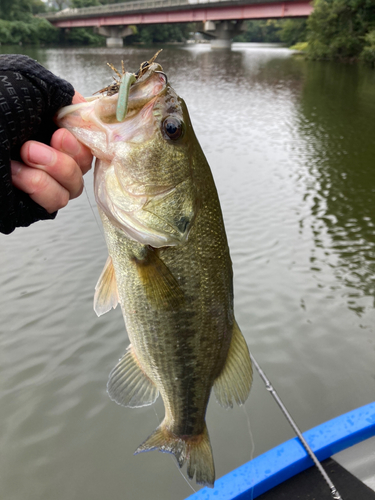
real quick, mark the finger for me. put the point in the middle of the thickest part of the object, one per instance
(41, 187)
(64, 141)
(78, 98)
(60, 166)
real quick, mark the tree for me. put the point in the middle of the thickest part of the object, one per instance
(37, 6)
(293, 31)
(15, 9)
(368, 52)
(337, 28)
(260, 31)
(36, 30)
(78, 4)
(59, 4)
(18, 25)
(161, 33)
(83, 36)
(288, 31)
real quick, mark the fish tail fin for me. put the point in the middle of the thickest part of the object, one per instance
(195, 450)
(200, 459)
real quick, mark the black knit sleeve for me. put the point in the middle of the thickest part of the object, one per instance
(30, 95)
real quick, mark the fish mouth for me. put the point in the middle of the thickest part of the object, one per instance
(98, 114)
(101, 109)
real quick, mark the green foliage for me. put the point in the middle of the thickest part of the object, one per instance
(56, 5)
(105, 2)
(301, 46)
(293, 31)
(36, 30)
(288, 31)
(368, 52)
(5, 32)
(18, 25)
(15, 10)
(260, 31)
(78, 4)
(46, 32)
(82, 36)
(161, 33)
(337, 28)
(37, 6)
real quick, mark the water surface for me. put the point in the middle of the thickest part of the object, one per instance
(291, 146)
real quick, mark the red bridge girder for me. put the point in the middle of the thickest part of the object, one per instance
(208, 13)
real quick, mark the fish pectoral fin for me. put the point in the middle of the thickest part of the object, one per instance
(106, 294)
(195, 450)
(128, 385)
(234, 381)
(173, 211)
(161, 287)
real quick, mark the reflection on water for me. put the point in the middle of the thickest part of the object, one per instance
(291, 147)
(338, 151)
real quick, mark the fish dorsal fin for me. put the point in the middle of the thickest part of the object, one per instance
(161, 287)
(128, 385)
(234, 381)
(106, 295)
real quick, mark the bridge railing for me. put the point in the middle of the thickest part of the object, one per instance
(118, 8)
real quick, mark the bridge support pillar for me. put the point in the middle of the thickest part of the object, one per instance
(222, 32)
(115, 34)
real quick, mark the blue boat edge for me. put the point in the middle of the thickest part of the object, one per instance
(290, 458)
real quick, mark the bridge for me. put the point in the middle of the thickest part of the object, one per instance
(221, 19)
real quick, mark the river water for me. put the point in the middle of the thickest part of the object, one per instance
(291, 145)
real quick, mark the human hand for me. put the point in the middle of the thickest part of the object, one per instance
(53, 175)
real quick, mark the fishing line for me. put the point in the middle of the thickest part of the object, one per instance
(183, 475)
(92, 210)
(156, 413)
(252, 447)
(173, 459)
(334, 492)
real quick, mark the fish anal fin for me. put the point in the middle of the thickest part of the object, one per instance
(161, 287)
(106, 295)
(234, 381)
(195, 450)
(128, 385)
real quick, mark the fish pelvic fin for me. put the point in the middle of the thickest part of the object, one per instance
(161, 287)
(128, 385)
(235, 379)
(195, 450)
(106, 294)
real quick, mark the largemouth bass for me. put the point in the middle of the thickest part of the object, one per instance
(169, 265)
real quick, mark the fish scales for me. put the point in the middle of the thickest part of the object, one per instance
(169, 266)
(206, 299)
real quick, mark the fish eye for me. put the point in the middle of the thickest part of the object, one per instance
(173, 128)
